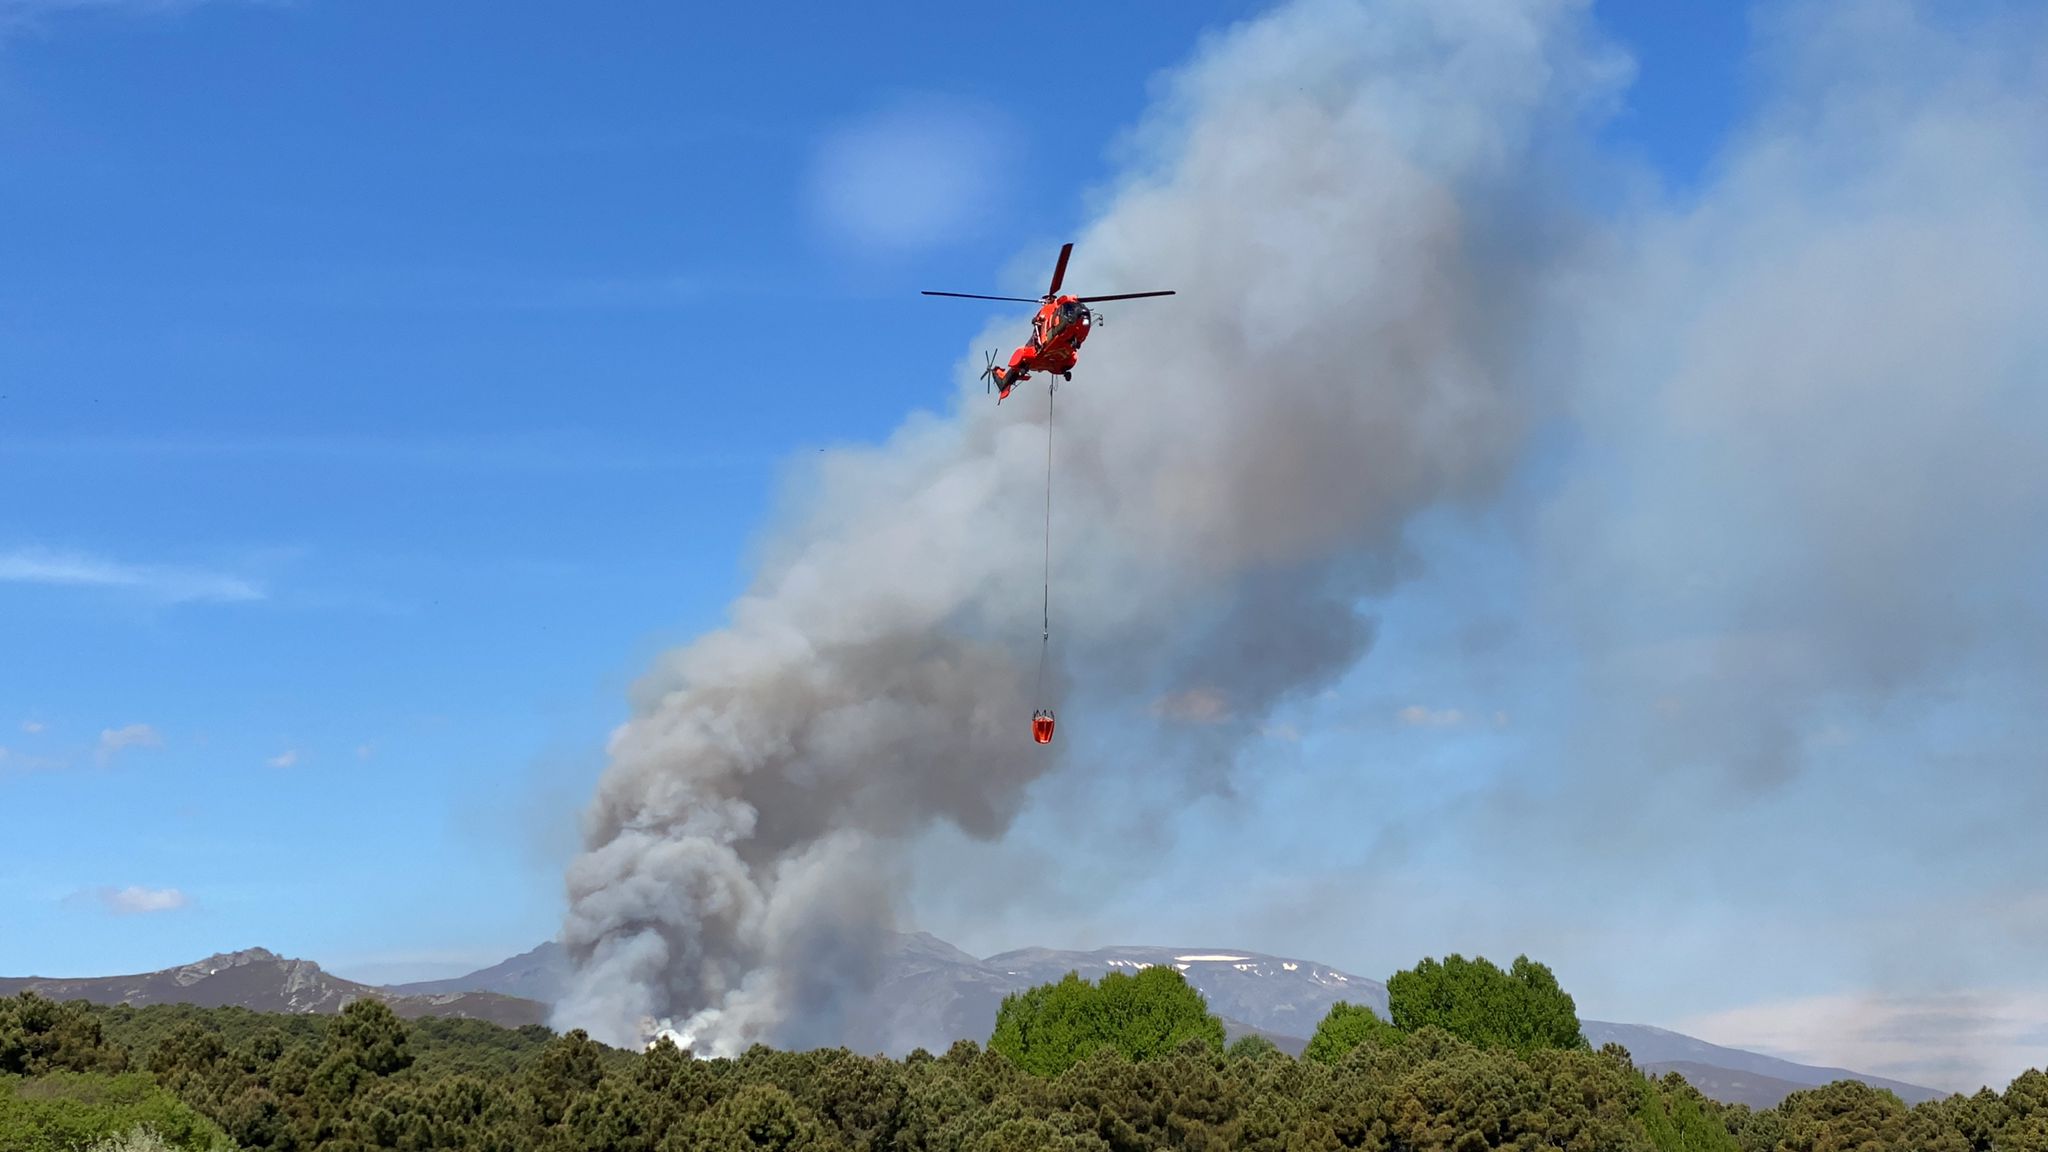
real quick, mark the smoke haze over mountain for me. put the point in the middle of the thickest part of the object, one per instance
(1753, 466)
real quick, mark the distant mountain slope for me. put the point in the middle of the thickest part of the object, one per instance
(1659, 1046)
(930, 995)
(1727, 1085)
(263, 981)
(537, 974)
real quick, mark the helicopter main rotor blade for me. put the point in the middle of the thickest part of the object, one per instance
(1059, 271)
(1123, 296)
(972, 296)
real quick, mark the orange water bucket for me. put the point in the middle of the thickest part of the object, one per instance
(1041, 726)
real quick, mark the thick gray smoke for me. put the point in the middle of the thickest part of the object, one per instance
(1817, 397)
(1779, 600)
(1345, 197)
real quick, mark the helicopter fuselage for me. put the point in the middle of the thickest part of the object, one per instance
(1057, 333)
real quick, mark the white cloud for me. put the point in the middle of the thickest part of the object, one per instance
(914, 175)
(365, 751)
(284, 759)
(1417, 716)
(113, 740)
(134, 900)
(1959, 1041)
(76, 570)
(31, 727)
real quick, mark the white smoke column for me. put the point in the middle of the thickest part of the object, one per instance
(1344, 196)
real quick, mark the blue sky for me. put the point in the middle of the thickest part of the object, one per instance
(384, 386)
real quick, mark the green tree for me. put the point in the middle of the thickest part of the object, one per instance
(371, 1034)
(1958, 1123)
(567, 1068)
(39, 1035)
(858, 1097)
(1047, 1029)
(2028, 1134)
(1845, 1116)
(1154, 1013)
(63, 1111)
(758, 1116)
(1521, 1009)
(2027, 1095)
(1344, 1027)
(1034, 1135)
(1679, 1119)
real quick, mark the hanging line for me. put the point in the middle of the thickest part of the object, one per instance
(1045, 635)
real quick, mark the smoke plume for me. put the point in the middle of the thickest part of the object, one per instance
(1778, 595)
(1354, 204)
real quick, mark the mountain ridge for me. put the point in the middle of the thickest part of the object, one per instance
(264, 981)
(931, 994)
(1661, 1046)
(535, 974)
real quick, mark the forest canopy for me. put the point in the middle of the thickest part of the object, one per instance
(1473, 1057)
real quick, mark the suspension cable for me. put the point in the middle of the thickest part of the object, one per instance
(1045, 634)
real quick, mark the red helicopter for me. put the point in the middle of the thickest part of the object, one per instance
(1062, 323)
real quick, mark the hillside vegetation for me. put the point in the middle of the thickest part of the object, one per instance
(1475, 1057)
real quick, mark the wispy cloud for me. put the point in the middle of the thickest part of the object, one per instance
(77, 570)
(912, 175)
(365, 751)
(32, 727)
(15, 761)
(134, 900)
(284, 759)
(114, 740)
(1959, 1041)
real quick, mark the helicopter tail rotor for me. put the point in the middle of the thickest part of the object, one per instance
(998, 376)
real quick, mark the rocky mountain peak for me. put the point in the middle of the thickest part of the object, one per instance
(189, 974)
